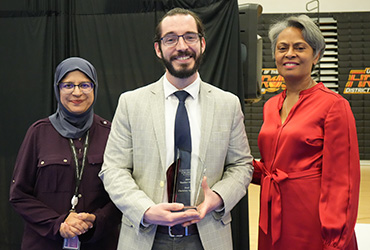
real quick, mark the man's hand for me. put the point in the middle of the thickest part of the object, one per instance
(165, 214)
(212, 201)
(76, 224)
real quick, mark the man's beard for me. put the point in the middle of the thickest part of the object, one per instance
(184, 72)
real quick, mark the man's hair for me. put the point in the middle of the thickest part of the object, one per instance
(179, 11)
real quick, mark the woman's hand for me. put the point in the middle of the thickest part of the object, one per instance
(76, 224)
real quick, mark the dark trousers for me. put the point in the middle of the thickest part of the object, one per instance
(165, 242)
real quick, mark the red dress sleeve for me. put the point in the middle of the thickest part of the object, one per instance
(340, 177)
(257, 174)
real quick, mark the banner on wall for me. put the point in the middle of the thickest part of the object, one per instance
(272, 81)
(358, 82)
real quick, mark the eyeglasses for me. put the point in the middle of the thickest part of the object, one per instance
(68, 87)
(171, 40)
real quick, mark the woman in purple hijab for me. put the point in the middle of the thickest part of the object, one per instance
(55, 185)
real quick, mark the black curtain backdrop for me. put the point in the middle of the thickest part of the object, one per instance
(116, 36)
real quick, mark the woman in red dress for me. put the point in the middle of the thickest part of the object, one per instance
(309, 170)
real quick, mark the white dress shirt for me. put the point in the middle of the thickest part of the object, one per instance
(192, 105)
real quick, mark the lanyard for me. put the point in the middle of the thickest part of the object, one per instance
(79, 169)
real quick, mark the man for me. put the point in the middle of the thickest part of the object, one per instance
(141, 148)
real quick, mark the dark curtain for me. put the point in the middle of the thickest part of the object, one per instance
(116, 36)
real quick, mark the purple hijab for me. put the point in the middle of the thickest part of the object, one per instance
(67, 124)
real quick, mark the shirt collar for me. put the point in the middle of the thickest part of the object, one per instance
(192, 89)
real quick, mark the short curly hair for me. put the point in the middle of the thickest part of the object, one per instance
(310, 32)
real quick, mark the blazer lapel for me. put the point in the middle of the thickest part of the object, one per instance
(157, 112)
(207, 113)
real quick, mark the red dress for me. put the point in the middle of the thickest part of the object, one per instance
(309, 173)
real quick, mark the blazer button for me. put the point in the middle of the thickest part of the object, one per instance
(161, 184)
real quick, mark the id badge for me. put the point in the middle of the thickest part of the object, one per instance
(72, 243)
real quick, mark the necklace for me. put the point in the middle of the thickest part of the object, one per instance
(311, 84)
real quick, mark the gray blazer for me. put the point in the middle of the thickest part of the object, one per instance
(134, 169)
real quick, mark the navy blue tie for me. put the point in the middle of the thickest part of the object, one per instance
(182, 150)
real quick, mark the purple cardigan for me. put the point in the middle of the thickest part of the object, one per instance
(43, 184)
